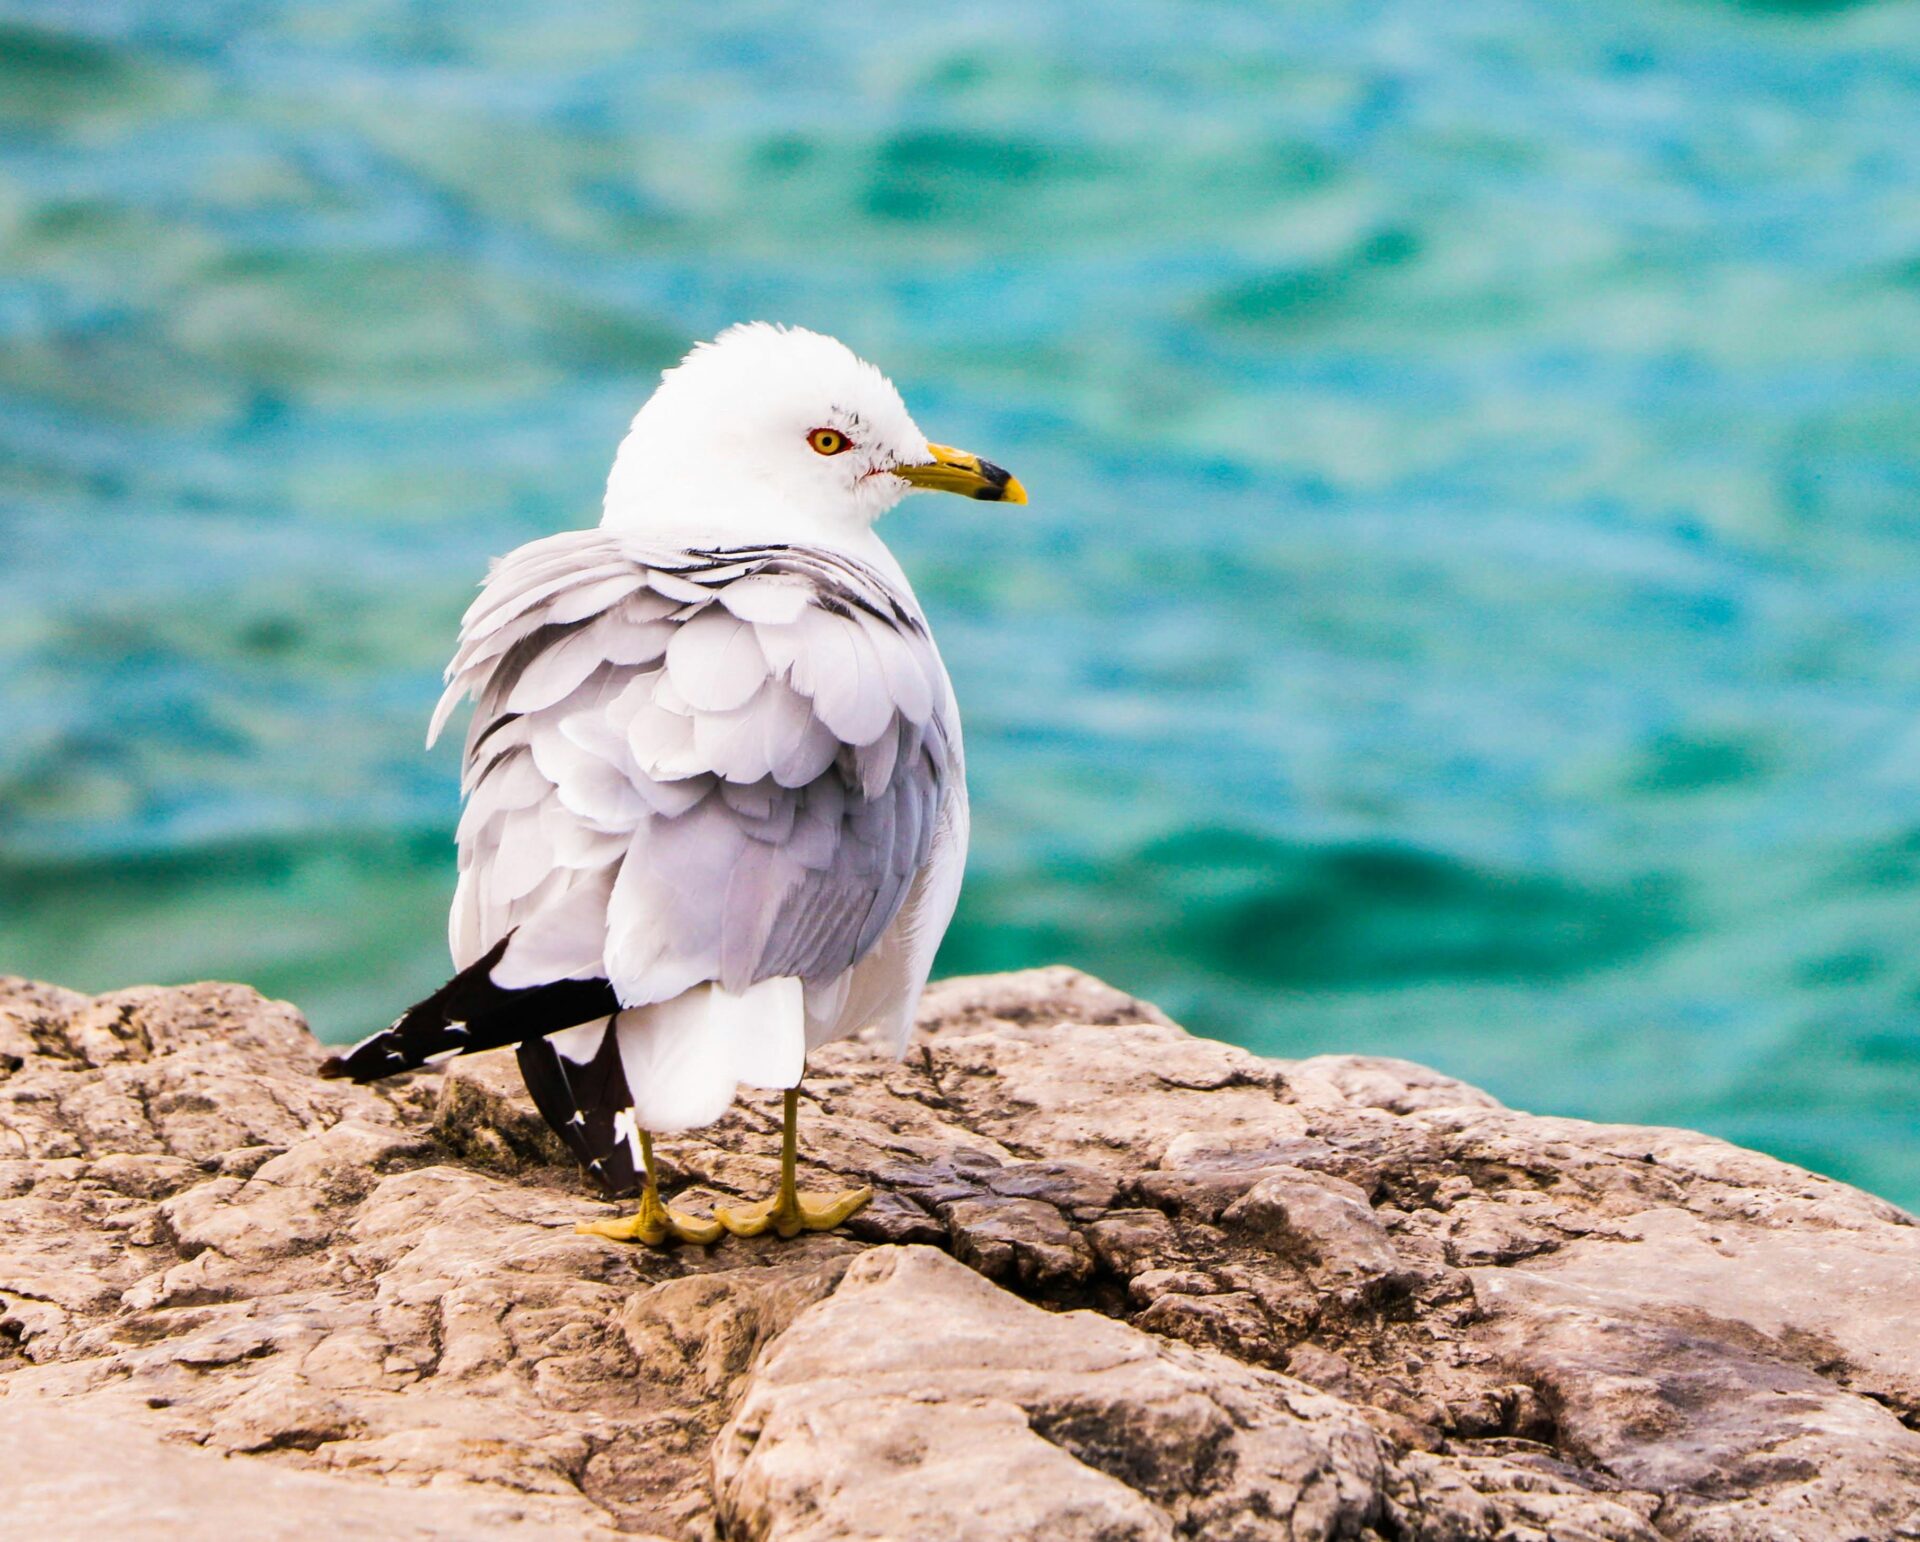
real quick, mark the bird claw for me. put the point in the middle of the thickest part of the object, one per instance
(653, 1224)
(788, 1214)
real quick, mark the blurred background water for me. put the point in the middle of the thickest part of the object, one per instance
(1470, 604)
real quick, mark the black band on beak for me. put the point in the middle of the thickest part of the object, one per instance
(995, 480)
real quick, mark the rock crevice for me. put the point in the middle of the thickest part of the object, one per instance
(1119, 1282)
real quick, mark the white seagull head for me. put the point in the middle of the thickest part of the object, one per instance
(779, 433)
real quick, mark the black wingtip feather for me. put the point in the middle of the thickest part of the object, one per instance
(581, 1103)
(471, 1013)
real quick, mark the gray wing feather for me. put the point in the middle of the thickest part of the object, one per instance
(692, 765)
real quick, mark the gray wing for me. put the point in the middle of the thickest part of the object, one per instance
(692, 765)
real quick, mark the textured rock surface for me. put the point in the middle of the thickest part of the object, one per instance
(1120, 1283)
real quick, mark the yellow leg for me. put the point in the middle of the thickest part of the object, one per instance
(653, 1223)
(790, 1212)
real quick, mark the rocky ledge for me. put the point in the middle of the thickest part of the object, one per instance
(1120, 1282)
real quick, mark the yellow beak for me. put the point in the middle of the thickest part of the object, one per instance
(957, 471)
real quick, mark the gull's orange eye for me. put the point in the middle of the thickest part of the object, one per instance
(829, 441)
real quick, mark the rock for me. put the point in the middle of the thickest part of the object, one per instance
(1023, 1241)
(1119, 1282)
(99, 1470)
(1322, 1224)
(1013, 1421)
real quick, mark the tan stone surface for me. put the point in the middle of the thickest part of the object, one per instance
(1120, 1282)
(91, 1470)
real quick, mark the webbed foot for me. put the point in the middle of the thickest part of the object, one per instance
(791, 1212)
(654, 1224)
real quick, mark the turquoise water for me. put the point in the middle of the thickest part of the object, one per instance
(1470, 603)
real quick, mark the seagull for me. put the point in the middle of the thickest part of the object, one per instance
(715, 797)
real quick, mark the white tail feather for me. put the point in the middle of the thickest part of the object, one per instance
(683, 1058)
